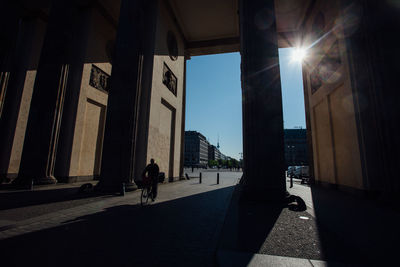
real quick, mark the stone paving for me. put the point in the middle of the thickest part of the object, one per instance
(336, 229)
(181, 227)
(190, 224)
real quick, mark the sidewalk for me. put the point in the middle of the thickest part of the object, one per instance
(181, 228)
(193, 224)
(337, 229)
(16, 205)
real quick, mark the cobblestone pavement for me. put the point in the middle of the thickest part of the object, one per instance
(179, 229)
(336, 229)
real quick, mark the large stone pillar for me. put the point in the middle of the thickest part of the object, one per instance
(10, 13)
(56, 67)
(9, 18)
(262, 102)
(79, 44)
(373, 54)
(23, 59)
(126, 131)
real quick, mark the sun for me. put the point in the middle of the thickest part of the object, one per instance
(298, 54)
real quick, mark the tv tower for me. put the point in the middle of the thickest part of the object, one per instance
(218, 142)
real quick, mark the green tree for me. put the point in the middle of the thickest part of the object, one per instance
(212, 163)
(235, 163)
(220, 162)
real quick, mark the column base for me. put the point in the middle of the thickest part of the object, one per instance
(103, 187)
(130, 186)
(7, 178)
(45, 180)
(263, 194)
(26, 182)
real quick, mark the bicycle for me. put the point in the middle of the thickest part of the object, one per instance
(147, 192)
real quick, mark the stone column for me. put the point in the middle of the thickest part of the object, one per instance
(9, 18)
(56, 67)
(262, 103)
(125, 138)
(24, 58)
(79, 44)
(182, 156)
(373, 56)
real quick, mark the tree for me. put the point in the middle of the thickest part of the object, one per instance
(220, 162)
(212, 163)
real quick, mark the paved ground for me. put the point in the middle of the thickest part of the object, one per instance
(194, 224)
(180, 229)
(337, 229)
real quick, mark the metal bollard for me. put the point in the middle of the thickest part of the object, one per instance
(218, 178)
(31, 185)
(200, 179)
(291, 181)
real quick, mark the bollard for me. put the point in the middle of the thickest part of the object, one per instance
(123, 189)
(31, 185)
(217, 178)
(200, 179)
(291, 181)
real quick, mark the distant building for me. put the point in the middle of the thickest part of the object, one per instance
(213, 153)
(196, 149)
(295, 141)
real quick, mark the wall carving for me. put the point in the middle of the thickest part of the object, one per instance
(169, 79)
(99, 79)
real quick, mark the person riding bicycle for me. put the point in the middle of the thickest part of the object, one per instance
(152, 172)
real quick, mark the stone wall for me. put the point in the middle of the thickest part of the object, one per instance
(166, 107)
(91, 112)
(335, 141)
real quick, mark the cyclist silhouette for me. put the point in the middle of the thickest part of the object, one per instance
(152, 170)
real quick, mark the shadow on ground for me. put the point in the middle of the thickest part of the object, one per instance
(19, 199)
(354, 229)
(256, 228)
(179, 232)
(341, 233)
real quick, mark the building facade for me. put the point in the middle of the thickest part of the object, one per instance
(296, 146)
(196, 149)
(70, 136)
(214, 153)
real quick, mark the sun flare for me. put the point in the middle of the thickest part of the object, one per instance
(299, 54)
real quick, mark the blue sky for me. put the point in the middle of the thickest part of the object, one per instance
(213, 98)
(292, 90)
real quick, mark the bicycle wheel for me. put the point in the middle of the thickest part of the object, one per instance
(144, 197)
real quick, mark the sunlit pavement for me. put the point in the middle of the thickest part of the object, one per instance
(180, 228)
(337, 229)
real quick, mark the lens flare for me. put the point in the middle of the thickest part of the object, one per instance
(299, 54)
